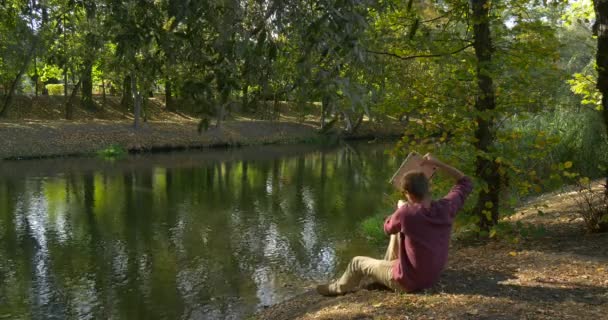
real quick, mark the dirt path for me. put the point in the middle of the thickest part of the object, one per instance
(562, 275)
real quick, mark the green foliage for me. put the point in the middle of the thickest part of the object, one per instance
(372, 228)
(112, 152)
(574, 137)
(50, 71)
(584, 84)
(513, 232)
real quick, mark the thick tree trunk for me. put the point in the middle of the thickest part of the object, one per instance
(87, 86)
(486, 169)
(127, 95)
(86, 97)
(600, 29)
(69, 106)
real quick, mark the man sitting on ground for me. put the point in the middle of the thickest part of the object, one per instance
(420, 230)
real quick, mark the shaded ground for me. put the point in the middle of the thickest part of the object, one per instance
(34, 129)
(562, 275)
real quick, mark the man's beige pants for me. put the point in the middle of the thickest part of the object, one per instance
(378, 271)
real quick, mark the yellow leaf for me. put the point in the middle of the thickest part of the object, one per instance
(377, 305)
(600, 269)
(492, 233)
(512, 253)
(568, 164)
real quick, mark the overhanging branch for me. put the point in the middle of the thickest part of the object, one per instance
(394, 55)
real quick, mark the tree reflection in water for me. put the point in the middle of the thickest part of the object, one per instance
(213, 234)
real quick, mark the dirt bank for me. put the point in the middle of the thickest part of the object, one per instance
(34, 128)
(561, 275)
(47, 138)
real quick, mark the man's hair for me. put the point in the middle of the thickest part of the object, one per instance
(416, 184)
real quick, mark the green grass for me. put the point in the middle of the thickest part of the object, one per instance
(582, 138)
(112, 152)
(373, 229)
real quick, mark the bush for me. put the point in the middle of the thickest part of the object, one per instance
(112, 152)
(373, 229)
(592, 206)
(582, 140)
(55, 89)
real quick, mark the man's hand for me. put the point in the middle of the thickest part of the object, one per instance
(430, 160)
(401, 203)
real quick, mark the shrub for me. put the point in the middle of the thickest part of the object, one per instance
(112, 152)
(55, 89)
(373, 229)
(592, 206)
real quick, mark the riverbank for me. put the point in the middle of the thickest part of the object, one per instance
(53, 138)
(561, 275)
(34, 128)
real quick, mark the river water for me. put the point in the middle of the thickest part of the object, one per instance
(190, 235)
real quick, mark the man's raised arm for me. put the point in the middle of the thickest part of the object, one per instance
(460, 191)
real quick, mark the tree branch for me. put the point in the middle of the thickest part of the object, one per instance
(394, 55)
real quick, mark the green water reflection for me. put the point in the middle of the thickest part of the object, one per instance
(205, 235)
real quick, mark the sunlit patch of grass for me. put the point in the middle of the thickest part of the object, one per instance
(373, 229)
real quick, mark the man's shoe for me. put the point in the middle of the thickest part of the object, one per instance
(325, 290)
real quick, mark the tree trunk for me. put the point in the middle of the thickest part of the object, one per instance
(36, 77)
(168, 96)
(87, 86)
(9, 96)
(276, 114)
(245, 103)
(87, 70)
(349, 123)
(486, 169)
(65, 64)
(69, 107)
(103, 92)
(324, 105)
(15, 83)
(136, 100)
(220, 115)
(65, 80)
(600, 29)
(127, 95)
